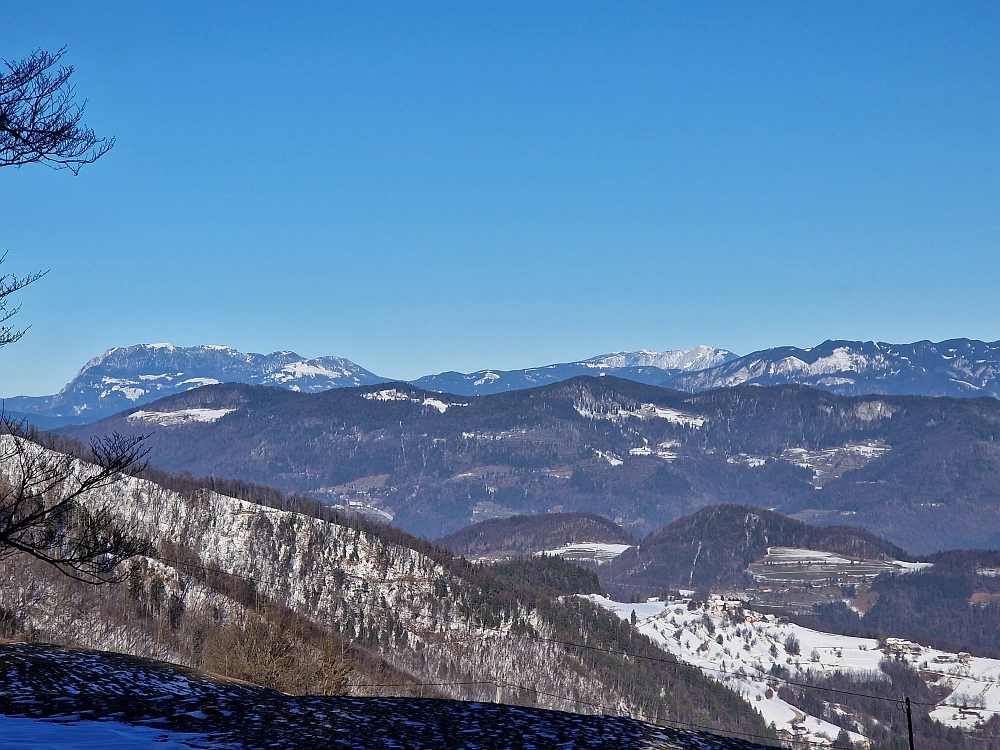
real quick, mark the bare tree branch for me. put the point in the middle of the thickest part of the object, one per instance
(46, 498)
(43, 512)
(9, 283)
(40, 122)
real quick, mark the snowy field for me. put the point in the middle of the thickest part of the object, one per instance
(794, 565)
(182, 417)
(748, 650)
(598, 552)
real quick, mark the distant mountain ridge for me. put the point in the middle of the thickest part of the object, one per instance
(125, 377)
(643, 366)
(960, 368)
(918, 470)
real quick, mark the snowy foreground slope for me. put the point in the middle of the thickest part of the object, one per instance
(79, 700)
(748, 651)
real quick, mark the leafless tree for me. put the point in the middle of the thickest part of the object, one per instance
(40, 122)
(277, 649)
(9, 283)
(43, 512)
(44, 508)
(40, 119)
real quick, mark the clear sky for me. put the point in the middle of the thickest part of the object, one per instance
(430, 186)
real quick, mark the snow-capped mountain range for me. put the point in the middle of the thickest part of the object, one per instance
(960, 368)
(126, 377)
(644, 366)
(130, 376)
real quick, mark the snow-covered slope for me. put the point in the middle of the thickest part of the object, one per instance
(958, 367)
(687, 360)
(644, 366)
(743, 654)
(130, 376)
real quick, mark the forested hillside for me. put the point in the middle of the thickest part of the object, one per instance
(954, 605)
(922, 472)
(712, 548)
(306, 602)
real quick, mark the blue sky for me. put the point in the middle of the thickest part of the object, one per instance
(431, 186)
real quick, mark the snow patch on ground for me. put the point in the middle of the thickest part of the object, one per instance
(181, 417)
(611, 458)
(125, 387)
(599, 552)
(798, 555)
(17, 733)
(832, 463)
(672, 415)
(796, 565)
(199, 382)
(388, 394)
(745, 459)
(744, 671)
(391, 394)
(617, 412)
(488, 377)
(297, 370)
(696, 358)
(441, 406)
(911, 567)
